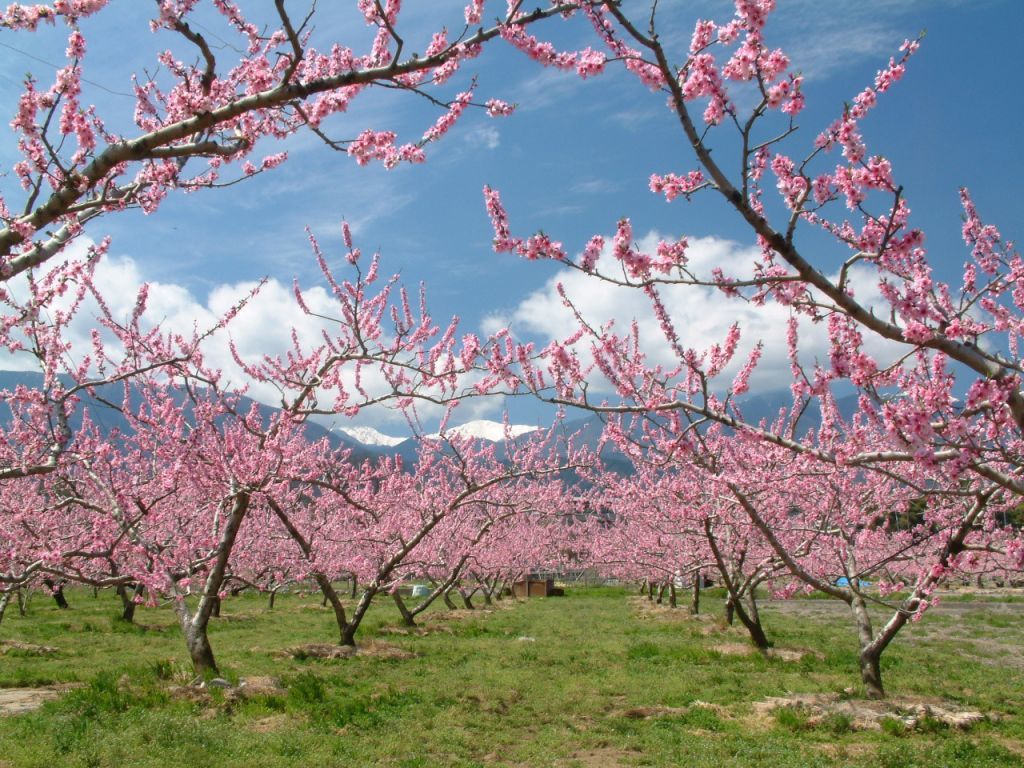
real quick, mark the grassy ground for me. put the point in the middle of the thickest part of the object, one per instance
(576, 681)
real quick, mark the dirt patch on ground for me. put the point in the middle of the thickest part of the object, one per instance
(14, 701)
(646, 713)
(842, 752)
(247, 688)
(649, 609)
(868, 715)
(373, 648)
(605, 757)
(1012, 745)
(26, 649)
(734, 649)
(420, 630)
(462, 613)
(784, 654)
(270, 724)
(262, 685)
(600, 756)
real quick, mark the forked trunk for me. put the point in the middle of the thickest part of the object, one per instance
(436, 592)
(448, 600)
(750, 619)
(487, 589)
(747, 614)
(331, 596)
(57, 590)
(199, 650)
(348, 636)
(870, 651)
(403, 609)
(129, 601)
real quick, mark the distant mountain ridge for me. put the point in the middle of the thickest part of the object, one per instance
(365, 442)
(111, 420)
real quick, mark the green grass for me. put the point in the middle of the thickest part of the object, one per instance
(482, 695)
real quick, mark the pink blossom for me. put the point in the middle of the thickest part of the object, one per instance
(499, 108)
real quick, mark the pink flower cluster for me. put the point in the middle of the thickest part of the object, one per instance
(673, 186)
(24, 16)
(586, 63)
(499, 108)
(380, 145)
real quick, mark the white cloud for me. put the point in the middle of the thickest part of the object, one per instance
(701, 316)
(593, 187)
(483, 136)
(266, 326)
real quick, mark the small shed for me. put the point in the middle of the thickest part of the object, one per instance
(536, 587)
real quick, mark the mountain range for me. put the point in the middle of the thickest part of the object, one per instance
(367, 443)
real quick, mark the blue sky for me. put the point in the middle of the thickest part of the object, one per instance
(574, 158)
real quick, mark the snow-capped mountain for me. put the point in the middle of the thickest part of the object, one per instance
(370, 436)
(482, 429)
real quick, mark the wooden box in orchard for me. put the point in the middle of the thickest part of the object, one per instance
(531, 587)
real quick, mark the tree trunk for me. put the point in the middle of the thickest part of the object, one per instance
(438, 590)
(730, 611)
(22, 602)
(871, 673)
(751, 620)
(487, 589)
(407, 618)
(5, 598)
(672, 595)
(448, 600)
(751, 605)
(643, 586)
(661, 593)
(199, 650)
(695, 595)
(128, 601)
(194, 627)
(870, 653)
(331, 596)
(348, 637)
(57, 590)
(467, 599)
(215, 612)
(753, 627)
(650, 590)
